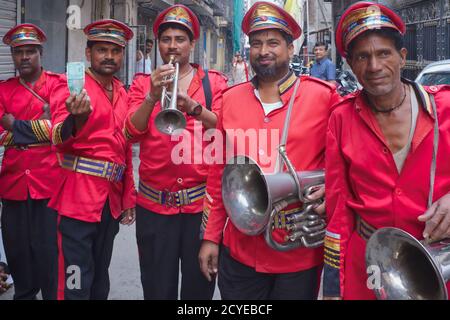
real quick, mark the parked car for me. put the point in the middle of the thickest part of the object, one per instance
(435, 73)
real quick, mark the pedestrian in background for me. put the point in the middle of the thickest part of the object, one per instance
(322, 67)
(144, 60)
(240, 72)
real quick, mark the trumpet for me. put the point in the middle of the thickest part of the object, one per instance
(170, 119)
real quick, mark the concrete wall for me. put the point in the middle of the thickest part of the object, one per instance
(207, 59)
(126, 11)
(77, 38)
(50, 16)
(318, 19)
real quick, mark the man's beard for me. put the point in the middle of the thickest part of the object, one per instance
(275, 71)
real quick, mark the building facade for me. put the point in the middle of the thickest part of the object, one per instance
(63, 22)
(9, 17)
(318, 26)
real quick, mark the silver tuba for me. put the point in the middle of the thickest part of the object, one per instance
(408, 269)
(170, 118)
(253, 199)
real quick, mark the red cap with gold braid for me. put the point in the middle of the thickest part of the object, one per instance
(361, 17)
(179, 14)
(24, 34)
(265, 15)
(109, 30)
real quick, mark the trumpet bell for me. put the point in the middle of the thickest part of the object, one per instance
(408, 269)
(248, 194)
(169, 120)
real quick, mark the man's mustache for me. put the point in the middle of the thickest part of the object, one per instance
(264, 58)
(108, 63)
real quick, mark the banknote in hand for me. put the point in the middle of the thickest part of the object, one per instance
(75, 77)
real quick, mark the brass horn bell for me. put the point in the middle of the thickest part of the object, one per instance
(248, 194)
(408, 269)
(250, 198)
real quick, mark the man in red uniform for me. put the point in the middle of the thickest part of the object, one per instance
(248, 267)
(172, 183)
(379, 151)
(96, 187)
(30, 167)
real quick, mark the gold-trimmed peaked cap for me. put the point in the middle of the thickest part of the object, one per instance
(178, 14)
(23, 34)
(364, 16)
(265, 15)
(109, 30)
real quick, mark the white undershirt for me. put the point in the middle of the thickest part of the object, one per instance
(400, 156)
(268, 107)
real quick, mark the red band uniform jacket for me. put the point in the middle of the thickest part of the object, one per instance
(362, 180)
(81, 196)
(30, 166)
(165, 164)
(241, 110)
